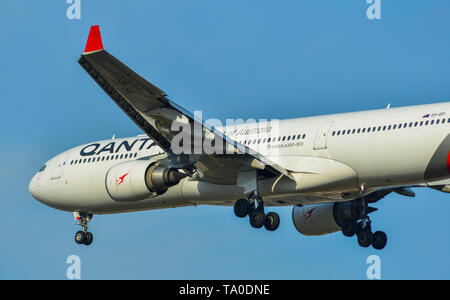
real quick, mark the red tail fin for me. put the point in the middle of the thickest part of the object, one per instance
(94, 42)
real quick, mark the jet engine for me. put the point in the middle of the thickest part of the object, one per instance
(325, 218)
(140, 179)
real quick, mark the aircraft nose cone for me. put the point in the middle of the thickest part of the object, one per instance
(33, 188)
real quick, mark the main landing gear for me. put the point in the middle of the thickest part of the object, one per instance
(83, 236)
(363, 230)
(254, 209)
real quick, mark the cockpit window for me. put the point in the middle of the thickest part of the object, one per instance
(42, 168)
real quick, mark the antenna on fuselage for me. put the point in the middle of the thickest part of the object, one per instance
(389, 106)
(113, 137)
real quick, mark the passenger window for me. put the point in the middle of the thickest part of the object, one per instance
(304, 135)
(432, 122)
(415, 124)
(437, 121)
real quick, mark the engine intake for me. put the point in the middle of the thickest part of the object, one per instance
(139, 180)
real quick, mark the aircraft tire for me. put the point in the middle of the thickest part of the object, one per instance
(80, 237)
(365, 237)
(89, 238)
(257, 219)
(242, 208)
(379, 240)
(272, 221)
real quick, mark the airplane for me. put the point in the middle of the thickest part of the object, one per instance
(329, 168)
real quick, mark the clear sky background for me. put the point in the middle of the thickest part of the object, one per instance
(230, 59)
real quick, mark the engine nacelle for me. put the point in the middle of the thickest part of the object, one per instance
(139, 180)
(325, 218)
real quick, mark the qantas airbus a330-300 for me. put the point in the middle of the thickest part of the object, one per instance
(331, 168)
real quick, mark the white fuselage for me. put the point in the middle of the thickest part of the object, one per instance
(332, 157)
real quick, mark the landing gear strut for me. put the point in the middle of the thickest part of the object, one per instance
(83, 236)
(254, 209)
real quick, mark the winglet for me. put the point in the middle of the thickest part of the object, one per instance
(94, 42)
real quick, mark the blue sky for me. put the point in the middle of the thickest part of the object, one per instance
(230, 59)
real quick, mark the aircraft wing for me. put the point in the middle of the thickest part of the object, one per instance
(149, 107)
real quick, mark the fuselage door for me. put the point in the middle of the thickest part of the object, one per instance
(322, 136)
(58, 165)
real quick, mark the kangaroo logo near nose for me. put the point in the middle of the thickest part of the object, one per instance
(120, 180)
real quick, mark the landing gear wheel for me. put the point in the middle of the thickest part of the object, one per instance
(365, 237)
(80, 237)
(242, 208)
(349, 228)
(88, 238)
(257, 219)
(379, 240)
(272, 221)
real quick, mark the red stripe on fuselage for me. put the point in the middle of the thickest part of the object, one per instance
(448, 162)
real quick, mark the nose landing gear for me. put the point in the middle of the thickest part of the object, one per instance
(83, 236)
